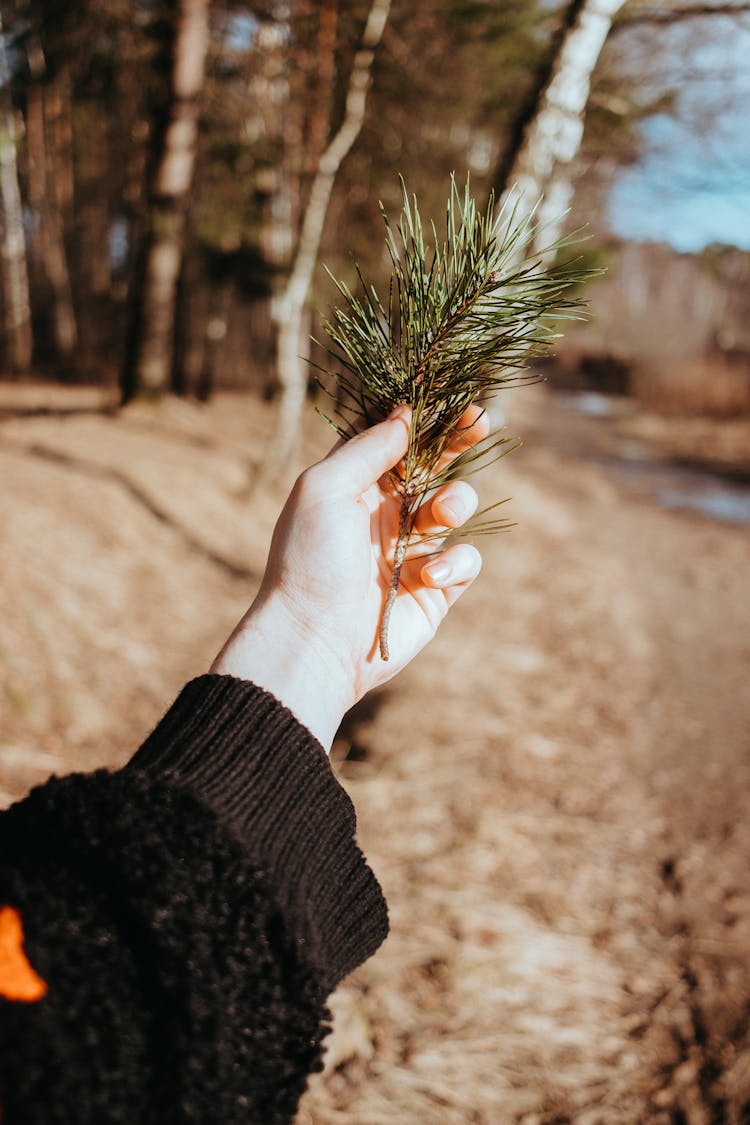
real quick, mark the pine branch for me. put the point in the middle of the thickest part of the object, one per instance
(463, 319)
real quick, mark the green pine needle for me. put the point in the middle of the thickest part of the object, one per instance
(464, 317)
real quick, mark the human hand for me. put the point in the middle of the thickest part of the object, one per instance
(311, 635)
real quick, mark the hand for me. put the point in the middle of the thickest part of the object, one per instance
(311, 635)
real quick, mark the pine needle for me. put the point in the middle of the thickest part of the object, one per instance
(464, 317)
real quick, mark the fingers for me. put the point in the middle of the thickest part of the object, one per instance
(453, 571)
(354, 465)
(472, 428)
(351, 468)
(451, 506)
(456, 566)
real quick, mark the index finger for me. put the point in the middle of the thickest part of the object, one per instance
(360, 461)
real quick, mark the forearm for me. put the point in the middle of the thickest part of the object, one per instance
(246, 756)
(188, 916)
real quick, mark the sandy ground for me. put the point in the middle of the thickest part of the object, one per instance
(554, 796)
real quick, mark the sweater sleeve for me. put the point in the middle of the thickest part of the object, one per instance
(185, 919)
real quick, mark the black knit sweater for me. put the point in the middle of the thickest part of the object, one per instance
(188, 916)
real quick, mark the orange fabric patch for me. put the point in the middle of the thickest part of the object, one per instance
(18, 981)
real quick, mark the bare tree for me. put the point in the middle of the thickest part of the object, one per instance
(541, 163)
(289, 306)
(152, 358)
(15, 277)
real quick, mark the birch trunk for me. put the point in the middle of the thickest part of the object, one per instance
(289, 307)
(542, 165)
(15, 277)
(174, 176)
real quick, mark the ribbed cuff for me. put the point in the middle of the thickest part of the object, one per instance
(244, 754)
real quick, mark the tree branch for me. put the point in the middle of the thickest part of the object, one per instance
(299, 282)
(289, 306)
(633, 17)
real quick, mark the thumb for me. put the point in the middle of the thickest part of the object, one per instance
(363, 460)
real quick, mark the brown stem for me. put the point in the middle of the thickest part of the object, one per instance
(399, 554)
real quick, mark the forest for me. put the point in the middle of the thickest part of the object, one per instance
(176, 174)
(563, 775)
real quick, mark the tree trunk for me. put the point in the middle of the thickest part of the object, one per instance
(93, 206)
(289, 307)
(279, 118)
(50, 193)
(154, 350)
(322, 93)
(541, 165)
(15, 278)
(217, 325)
(91, 269)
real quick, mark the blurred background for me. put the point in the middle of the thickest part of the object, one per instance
(555, 795)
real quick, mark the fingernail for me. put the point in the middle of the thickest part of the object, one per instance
(456, 510)
(402, 411)
(439, 572)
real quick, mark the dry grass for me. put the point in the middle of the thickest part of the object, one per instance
(553, 796)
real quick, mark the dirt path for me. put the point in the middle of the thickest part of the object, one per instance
(554, 796)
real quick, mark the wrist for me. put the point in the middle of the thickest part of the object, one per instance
(270, 649)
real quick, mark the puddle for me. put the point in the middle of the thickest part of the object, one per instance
(720, 503)
(670, 485)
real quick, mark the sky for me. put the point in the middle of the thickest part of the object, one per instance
(680, 193)
(691, 187)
